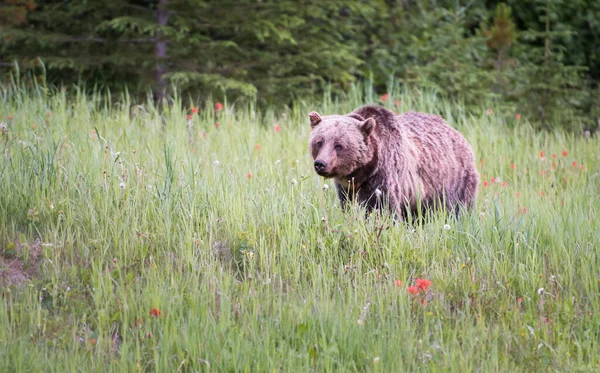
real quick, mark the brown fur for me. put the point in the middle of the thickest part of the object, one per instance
(402, 161)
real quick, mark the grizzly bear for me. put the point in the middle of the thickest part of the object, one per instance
(409, 163)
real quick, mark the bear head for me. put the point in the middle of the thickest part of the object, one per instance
(339, 144)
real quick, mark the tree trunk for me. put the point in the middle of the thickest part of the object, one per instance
(160, 52)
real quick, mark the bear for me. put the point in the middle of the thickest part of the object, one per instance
(407, 163)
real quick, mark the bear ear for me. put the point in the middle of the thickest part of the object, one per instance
(315, 118)
(367, 126)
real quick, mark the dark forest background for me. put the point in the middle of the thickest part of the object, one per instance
(537, 58)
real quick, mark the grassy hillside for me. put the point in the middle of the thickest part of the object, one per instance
(133, 240)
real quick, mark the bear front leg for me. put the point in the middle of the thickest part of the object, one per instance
(342, 195)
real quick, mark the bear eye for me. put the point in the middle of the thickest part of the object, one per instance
(319, 143)
(338, 147)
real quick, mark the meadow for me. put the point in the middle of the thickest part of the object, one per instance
(138, 239)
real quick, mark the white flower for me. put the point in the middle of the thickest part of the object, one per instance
(294, 182)
(325, 187)
(377, 192)
(216, 163)
(446, 227)
(540, 291)
(277, 162)
(376, 360)
(122, 185)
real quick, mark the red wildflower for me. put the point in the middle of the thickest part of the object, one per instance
(249, 175)
(397, 102)
(9, 117)
(485, 183)
(519, 300)
(33, 125)
(541, 154)
(47, 113)
(542, 193)
(257, 147)
(423, 302)
(517, 116)
(518, 194)
(493, 180)
(218, 106)
(413, 290)
(422, 283)
(512, 165)
(149, 335)
(523, 210)
(93, 341)
(489, 111)
(385, 97)
(195, 110)
(574, 164)
(154, 312)
(277, 128)
(188, 117)
(504, 184)
(553, 155)
(581, 167)
(564, 153)
(398, 283)
(565, 179)
(217, 124)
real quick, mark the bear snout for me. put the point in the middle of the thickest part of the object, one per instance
(320, 165)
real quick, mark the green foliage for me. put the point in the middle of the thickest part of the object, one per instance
(540, 59)
(130, 245)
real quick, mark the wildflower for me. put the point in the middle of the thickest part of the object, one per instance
(378, 193)
(93, 341)
(422, 283)
(47, 113)
(294, 182)
(553, 155)
(10, 117)
(523, 210)
(4, 128)
(540, 291)
(493, 180)
(446, 227)
(216, 163)
(517, 116)
(277, 128)
(217, 124)
(574, 164)
(504, 184)
(518, 194)
(325, 187)
(485, 183)
(257, 147)
(188, 117)
(542, 155)
(218, 106)
(33, 125)
(512, 165)
(154, 312)
(489, 111)
(249, 175)
(384, 97)
(376, 360)
(519, 300)
(149, 335)
(195, 110)
(398, 283)
(564, 153)
(413, 290)
(277, 162)
(397, 102)
(581, 167)
(122, 185)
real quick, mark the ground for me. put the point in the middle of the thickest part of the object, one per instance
(138, 240)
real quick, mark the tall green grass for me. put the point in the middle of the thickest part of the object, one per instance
(154, 243)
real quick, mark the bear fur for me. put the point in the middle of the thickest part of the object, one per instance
(407, 162)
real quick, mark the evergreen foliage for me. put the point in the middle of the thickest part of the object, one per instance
(542, 61)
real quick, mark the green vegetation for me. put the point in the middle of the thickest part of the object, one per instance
(133, 239)
(540, 58)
